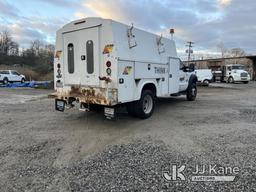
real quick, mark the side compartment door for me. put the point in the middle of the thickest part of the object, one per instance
(174, 64)
(126, 82)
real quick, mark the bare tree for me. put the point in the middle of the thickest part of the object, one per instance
(237, 52)
(36, 46)
(222, 49)
(7, 45)
(50, 48)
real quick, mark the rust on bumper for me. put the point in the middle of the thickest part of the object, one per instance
(101, 96)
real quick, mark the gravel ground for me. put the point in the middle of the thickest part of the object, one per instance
(43, 150)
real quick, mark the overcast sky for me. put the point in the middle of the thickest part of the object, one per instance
(206, 22)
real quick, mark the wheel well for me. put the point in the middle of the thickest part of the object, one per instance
(193, 79)
(151, 87)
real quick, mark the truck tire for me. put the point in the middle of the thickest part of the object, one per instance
(192, 92)
(231, 80)
(5, 80)
(206, 82)
(22, 80)
(144, 108)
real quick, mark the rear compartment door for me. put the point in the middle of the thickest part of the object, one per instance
(82, 57)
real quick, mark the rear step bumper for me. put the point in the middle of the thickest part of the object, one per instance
(100, 96)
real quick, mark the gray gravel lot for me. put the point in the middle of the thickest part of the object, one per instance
(44, 150)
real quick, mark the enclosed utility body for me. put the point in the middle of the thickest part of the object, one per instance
(104, 62)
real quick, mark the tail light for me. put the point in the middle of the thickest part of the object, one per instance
(58, 71)
(108, 64)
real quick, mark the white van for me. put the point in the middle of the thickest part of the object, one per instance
(107, 63)
(204, 76)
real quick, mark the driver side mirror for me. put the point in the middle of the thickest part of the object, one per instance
(184, 68)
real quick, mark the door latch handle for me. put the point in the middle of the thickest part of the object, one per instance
(83, 57)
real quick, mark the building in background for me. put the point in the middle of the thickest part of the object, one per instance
(215, 64)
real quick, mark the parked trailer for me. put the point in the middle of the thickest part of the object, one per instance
(101, 62)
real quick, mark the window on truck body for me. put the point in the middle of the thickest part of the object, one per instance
(90, 56)
(71, 62)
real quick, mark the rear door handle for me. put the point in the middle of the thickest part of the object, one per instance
(83, 57)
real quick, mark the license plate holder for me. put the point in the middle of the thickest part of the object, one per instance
(60, 105)
(110, 113)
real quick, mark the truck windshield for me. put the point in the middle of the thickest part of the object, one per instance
(237, 67)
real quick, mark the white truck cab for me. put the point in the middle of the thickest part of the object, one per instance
(236, 73)
(233, 73)
(106, 63)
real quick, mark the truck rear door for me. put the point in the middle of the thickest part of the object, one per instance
(82, 57)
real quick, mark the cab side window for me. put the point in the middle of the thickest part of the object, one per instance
(15, 73)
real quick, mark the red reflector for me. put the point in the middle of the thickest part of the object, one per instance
(58, 65)
(108, 64)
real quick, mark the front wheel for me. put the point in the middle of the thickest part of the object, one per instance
(22, 80)
(206, 82)
(231, 80)
(144, 108)
(192, 92)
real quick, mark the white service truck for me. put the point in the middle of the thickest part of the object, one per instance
(101, 62)
(232, 73)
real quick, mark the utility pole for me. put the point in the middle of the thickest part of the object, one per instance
(189, 50)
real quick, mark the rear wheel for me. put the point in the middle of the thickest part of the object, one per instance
(192, 92)
(144, 108)
(5, 81)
